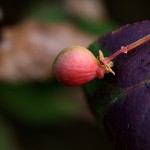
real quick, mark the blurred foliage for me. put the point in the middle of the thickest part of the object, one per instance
(6, 137)
(55, 14)
(47, 102)
(47, 14)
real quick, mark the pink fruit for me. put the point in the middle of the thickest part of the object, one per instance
(76, 65)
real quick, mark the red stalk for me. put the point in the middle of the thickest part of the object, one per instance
(123, 49)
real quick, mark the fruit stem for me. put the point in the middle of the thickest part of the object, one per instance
(125, 49)
(106, 62)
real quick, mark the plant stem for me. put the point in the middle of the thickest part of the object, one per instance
(125, 49)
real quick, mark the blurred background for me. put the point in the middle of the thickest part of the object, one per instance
(37, 112)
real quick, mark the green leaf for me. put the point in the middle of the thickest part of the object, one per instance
(6, 141)
(39, 102)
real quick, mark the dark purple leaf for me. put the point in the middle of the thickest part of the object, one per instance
(127, 119)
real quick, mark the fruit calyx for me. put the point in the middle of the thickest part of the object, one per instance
(106, 66)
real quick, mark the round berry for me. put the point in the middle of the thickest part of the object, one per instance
(76, 65)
